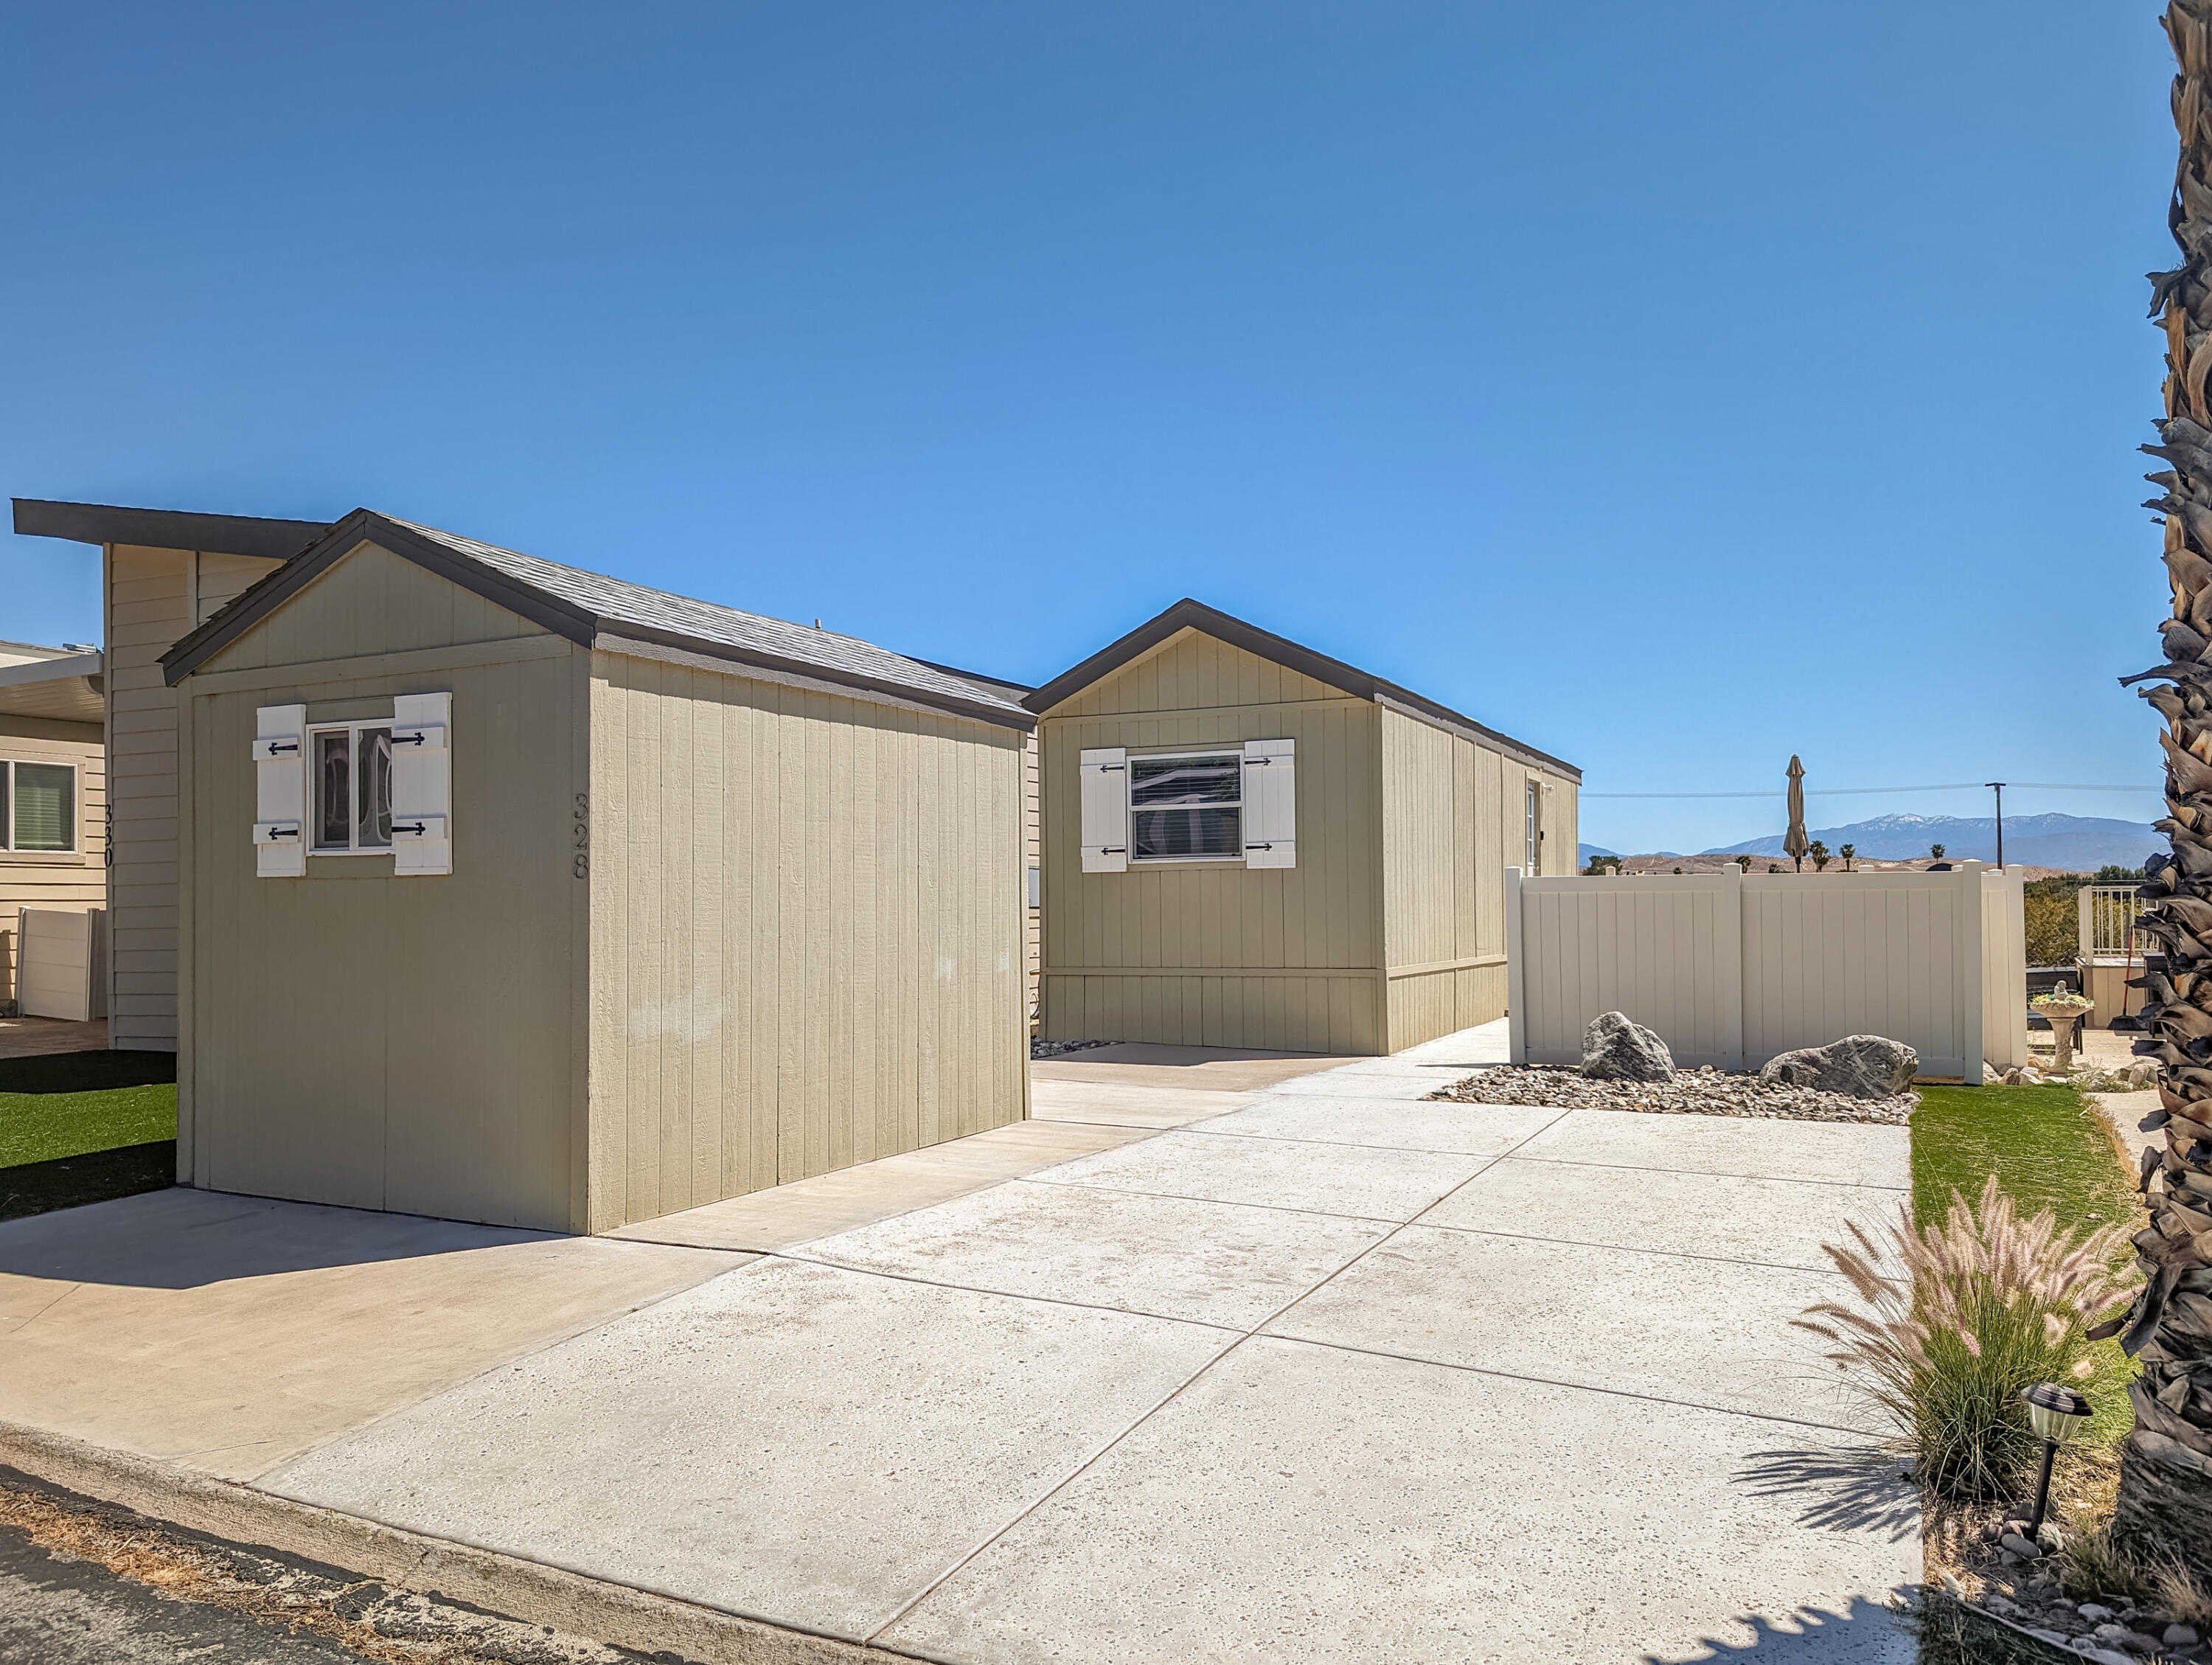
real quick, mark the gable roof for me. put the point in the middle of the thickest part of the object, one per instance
(1189, 615)
(596, 611)
(165, 528)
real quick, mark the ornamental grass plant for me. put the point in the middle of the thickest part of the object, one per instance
(1953, 1320)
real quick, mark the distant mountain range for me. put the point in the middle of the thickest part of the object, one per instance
(2082, 843)
(2079, 843)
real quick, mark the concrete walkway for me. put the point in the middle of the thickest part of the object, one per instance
(1296, 1367)
(31, 1037)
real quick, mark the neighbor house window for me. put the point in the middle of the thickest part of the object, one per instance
(1187, 807)
(38, 807)
(351, 766)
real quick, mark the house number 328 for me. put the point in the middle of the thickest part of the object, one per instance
(583, 834)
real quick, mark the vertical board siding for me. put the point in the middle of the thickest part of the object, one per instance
(1191, 671)
(154, 597)
(148, 609)
(1795, 960)
(1216, 954)
(384, 1042)
(1451, 827)
(807, 915)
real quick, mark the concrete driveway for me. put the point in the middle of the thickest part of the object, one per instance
(1296, 1367)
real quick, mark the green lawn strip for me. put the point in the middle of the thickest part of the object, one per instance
(43, 1126)
(2049, 1149)
(68, 1103)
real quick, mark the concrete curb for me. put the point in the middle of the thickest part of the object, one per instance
(616, 1614)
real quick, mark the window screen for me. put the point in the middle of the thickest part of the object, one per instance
(334, 790)
(1187, 807)
(44, 812)
(374, 760)
(353, 788)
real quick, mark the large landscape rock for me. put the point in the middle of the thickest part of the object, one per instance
(1616, 1048)
(1858, 1065)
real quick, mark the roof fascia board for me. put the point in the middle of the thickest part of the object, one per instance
(363, 526)
(1188, 614)
(165, 529)
(70, 665)
(645, 641)
(1011, 687)
(1453, 724)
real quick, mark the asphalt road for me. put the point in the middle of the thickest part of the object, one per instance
(56, 1612)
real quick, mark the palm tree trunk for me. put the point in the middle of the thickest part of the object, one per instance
(2166, 1479)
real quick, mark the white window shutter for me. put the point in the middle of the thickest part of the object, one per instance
(280, 791)
(422, 784)
(1106, 810)
(1271, 804)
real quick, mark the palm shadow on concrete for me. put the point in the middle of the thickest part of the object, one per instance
(1866, 1634)
(1842, 1488)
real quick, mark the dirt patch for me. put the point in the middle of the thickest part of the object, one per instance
(397, 1628)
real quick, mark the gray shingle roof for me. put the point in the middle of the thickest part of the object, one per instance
(613, 601)
(589, 607)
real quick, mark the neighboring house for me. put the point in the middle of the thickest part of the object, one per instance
(162, 572)
(518, 894)
(53, 796)
(1247, 843)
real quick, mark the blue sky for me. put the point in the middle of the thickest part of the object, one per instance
(1674, 388)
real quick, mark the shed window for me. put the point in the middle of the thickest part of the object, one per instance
(352, 765)
(38, 807)
(1536, 827)
(1187, 807)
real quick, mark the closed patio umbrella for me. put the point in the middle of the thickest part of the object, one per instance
(1795, 842)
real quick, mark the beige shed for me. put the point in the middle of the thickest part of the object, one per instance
(1247, 843)
(518, 894)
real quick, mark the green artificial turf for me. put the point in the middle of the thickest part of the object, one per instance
(2047, 1146)
(2049, 1149)
(83, 1127)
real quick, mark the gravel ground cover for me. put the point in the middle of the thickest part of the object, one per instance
(1057, 1048)
(1705, 1092)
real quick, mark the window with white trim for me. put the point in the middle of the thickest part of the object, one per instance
(350, 773)
(38, 807)
(1187, 807)
(1536, 827)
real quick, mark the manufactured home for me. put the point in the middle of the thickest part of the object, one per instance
(162, 572)
(518, 894)
(53, 814)
(1247, 843)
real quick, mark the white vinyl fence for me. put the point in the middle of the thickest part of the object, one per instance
(61, 969)
(1731, 969)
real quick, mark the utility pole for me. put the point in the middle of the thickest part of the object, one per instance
(1998, 787)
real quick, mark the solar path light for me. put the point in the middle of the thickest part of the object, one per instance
(2054, 1412)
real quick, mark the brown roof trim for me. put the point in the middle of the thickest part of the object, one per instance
(1006, 683)
(258, 600)
(627, 636)
(636, 641)
(562, 617)
(165, 528)
(1189, 615)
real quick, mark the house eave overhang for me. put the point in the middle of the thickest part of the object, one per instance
(1190, 615)
(164, 528)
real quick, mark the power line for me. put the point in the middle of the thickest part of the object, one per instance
(1857, 792)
